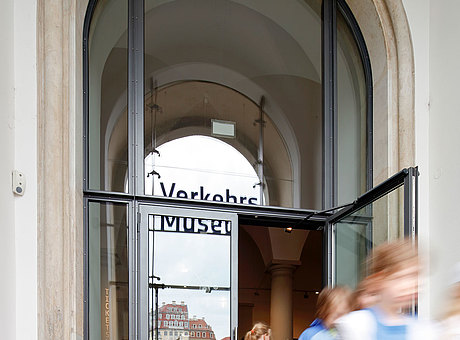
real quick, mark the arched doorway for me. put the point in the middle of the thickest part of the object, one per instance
(386, 32)
(255, 77)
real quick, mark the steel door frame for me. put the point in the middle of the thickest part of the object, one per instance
(144, 210)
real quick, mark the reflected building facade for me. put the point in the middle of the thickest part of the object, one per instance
(174, 324)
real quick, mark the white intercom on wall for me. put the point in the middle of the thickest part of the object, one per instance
(19, 182)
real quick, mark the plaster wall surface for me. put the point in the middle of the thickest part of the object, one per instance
(444, 142)
(418, 16)
(25, 160)
(7, 227)
(434, 28)
(18, 231)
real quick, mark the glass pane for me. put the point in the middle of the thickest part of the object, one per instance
(230, 61)
(108, 271)
(278, 172)
(352, 105)
(189, 290)
(189, 314)
(183, 170)
(379, 222)
(107, 130)
(172, 241)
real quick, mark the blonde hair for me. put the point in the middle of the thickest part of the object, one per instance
(258, 331)
(390, 258)
(365, 287)
(329, 299)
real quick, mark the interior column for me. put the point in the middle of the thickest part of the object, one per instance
(281, 301)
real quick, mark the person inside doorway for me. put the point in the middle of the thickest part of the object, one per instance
(332, 304)
(260, 331)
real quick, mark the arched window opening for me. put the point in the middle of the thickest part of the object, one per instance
(201, 167)
(204, 108)
(235, 101)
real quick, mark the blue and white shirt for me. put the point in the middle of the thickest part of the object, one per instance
(315, 327)
(366, 324)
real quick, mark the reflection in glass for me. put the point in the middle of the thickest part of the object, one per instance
(233, 61)
(239, 160)
(174, 255)
(107, 132)
(189, 290)
(352, 106)
(108, 271)
(182, 313)
(356, 235)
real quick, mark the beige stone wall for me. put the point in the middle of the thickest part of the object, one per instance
(387, 35)
(386, 32)
(60, 232)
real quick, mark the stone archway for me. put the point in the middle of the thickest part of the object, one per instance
(386, 32)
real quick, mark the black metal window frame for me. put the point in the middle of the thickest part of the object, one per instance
(330, 113)
(329, 93)
(252, 215)
(408, 178)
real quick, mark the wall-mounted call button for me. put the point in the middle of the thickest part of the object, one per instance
(19, 182)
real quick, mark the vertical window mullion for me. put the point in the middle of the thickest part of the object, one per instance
(86, 29)
(136, 97)
(138, 317)
(329, 80)
(131, 95)
(329, 94)
(86, 268)
(139, 96)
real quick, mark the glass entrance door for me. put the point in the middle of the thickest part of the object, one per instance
(188, 269)
(385, 213)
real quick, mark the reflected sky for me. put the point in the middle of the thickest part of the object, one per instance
(198, 260)
(192, 259)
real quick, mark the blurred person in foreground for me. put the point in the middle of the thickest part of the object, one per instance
(260, 331)
(332, 304)
(394, 269)
(364, 296)
(451, 322)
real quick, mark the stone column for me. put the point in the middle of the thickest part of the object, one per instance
(281, 301)
(60, 203)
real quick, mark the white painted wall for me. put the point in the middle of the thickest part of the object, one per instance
(444, 143)
(7, 226)
(434, 28)
(418, 13)
(25, 160)
(18, 138)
